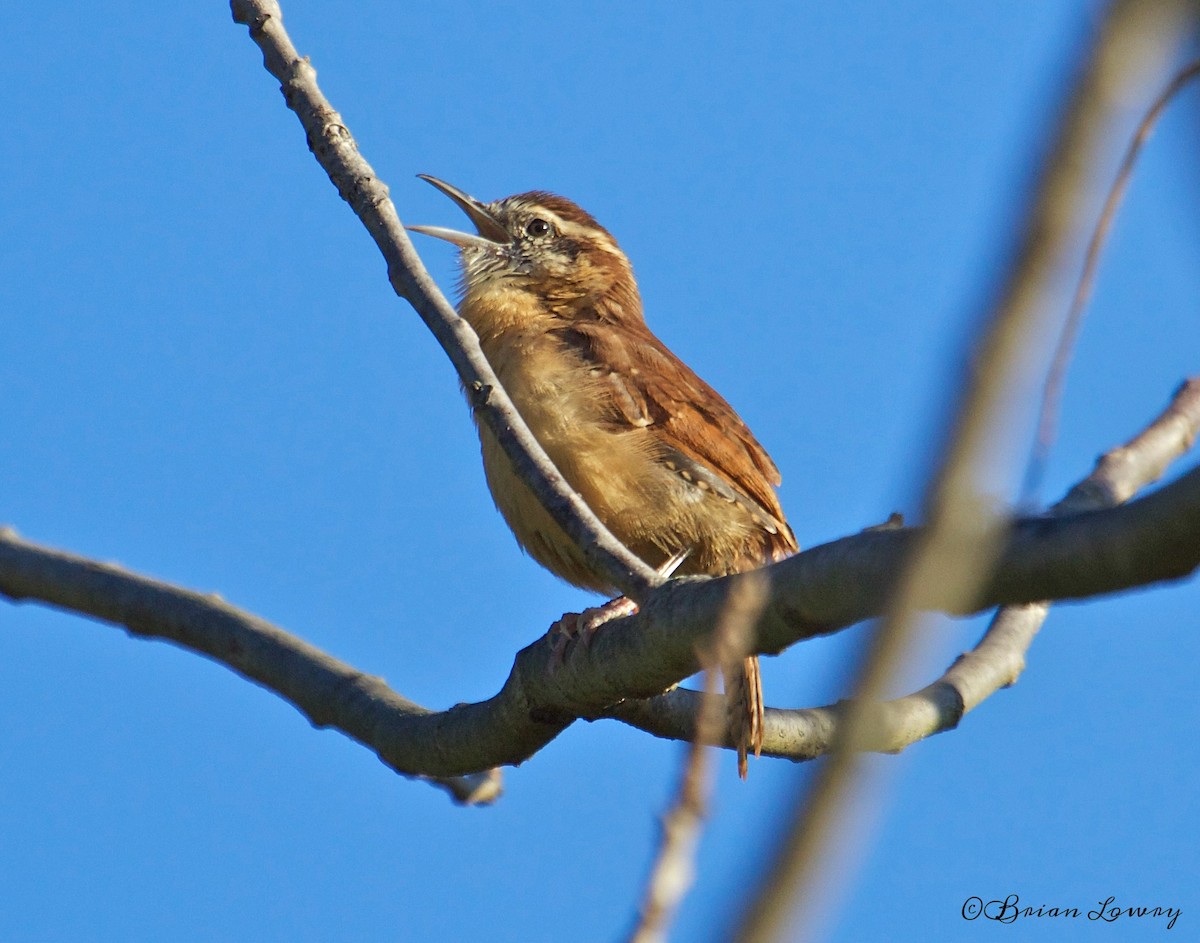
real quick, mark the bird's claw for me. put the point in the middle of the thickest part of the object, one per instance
(582, 626)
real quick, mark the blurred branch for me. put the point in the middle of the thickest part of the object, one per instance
(674, 867)
(1137, 39)
(999, 658)
(1056, 377)
(336, 151)
(817, 592)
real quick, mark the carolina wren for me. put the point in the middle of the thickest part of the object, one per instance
(657, 454)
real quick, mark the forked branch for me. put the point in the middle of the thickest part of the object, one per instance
(817, 592)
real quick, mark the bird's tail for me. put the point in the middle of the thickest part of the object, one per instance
(744, 700)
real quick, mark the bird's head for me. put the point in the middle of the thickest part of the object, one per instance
(541, 244)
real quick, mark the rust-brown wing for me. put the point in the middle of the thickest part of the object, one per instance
(653, 388)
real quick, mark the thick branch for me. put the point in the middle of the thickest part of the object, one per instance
(335, 150)
(816, 592)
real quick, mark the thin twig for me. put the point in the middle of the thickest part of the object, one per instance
(673, 871)
(1056, 377)
(960, 547)
(336, 151)
(473, 789)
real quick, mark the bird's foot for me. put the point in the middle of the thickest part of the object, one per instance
(582, 626)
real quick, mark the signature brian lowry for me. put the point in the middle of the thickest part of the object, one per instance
(1010, 910)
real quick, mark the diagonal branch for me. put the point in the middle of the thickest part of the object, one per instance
(336, 151)
(674, 866)
(1137, 38)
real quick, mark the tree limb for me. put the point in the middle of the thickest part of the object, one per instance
(817, 592)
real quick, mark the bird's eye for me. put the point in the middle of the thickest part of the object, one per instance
(537, 227)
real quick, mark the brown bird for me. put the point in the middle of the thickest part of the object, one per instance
(656, 453)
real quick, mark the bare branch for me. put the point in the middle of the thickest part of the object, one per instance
(674, 871)
(817, 592)
(336, 151)
(327, 691)
(1138, 38)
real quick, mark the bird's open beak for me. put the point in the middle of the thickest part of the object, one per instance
(491, 232)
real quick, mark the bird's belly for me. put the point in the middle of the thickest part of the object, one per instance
(617, 469)
(602, 467)
(649, 509)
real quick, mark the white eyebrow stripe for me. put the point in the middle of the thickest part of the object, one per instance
(550, 216)
(570, 228)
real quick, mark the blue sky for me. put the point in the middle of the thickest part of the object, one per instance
(209, 380)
